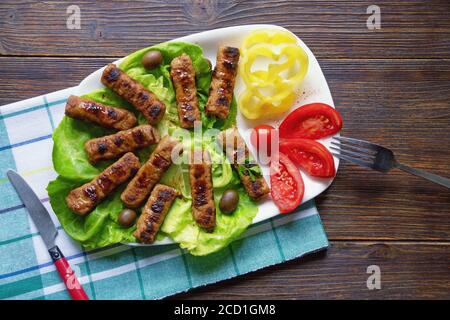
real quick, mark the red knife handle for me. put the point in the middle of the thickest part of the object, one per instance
(68, 276)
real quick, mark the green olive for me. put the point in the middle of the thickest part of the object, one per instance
(127, 217)
(152, 59)
(229, 201)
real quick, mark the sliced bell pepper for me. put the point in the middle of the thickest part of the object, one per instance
(271, 91)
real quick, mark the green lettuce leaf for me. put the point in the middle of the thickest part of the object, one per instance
(100, 228)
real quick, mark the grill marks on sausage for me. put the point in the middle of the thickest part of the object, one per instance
(222, 101)
(162, 197)
(134, 92)
(200, 197)
(160, 162)
(222, 83)
(158, 206)
(91, 193)
(198, 171)
(154, 111)
(94, 108)
(115, 145)
(151, 172)
(118, 141)
(231, 53)
(154, 212)
(101, 147)
(112, 75)
(200, 185)
(105, 183)
(200, 177)
(237, 152)
(183, 77)
(256, 186)
(84, 199)
(142, 96)
(106, 116)
(112, 114)
(138, 137)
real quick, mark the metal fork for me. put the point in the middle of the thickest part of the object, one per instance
(376, 157)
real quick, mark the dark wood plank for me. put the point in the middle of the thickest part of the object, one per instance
(402, 104)
(412, 29)
(408, 271)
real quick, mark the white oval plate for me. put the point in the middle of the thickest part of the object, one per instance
(314, 89)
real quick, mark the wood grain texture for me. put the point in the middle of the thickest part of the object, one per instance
(413, 29)
(408, 271)
(392, 87)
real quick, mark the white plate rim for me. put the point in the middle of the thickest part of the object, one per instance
(267, 208)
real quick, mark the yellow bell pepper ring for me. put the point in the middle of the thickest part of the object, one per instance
(295, 65)
(269, 36)
(275, 91)
(255, 106)
(271, 91)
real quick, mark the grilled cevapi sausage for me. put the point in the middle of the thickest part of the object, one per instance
(154, 212)
(183, 77)
(200, 176)
(135, 93)
(222, 83)
(115, 145)
(84, 199)
(151, 172)
(106, 116)
(242, 161)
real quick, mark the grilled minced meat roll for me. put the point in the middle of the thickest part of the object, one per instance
(103, 115)
(249, 172)
(84, 199)
(183, 77)
(151, 172)
(154, 212)
(200, 176)
(115, 145)
(135, 93)
(222, 83)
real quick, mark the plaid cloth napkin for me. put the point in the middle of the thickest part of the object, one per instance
(119, 271)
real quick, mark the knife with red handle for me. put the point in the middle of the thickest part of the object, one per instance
(48, 232)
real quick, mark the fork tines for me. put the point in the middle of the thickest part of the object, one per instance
(360, 152)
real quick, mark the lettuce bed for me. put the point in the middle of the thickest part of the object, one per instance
(100, 228)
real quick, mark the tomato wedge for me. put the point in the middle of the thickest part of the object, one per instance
(261, 138)
(311, 121)
(287, 186)
(310, 155)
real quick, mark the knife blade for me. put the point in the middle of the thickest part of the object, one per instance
(36, 209)
(48, 232)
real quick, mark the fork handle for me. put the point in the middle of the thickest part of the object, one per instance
(424, 174)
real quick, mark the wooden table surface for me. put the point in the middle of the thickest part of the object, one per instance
(392, 87)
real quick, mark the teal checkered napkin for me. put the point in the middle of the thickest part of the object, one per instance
(119, 271)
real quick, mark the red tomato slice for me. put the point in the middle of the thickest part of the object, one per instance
(287, 186)
(310, 155)
(311, 121)
(260, 134)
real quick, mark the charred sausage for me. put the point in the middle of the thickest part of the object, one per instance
(183, 77)
(249, 172)
(84, 199)
(154, 212)
(106, 116)
(135, 93)
(200, 176)
(115, 145)
(222, 83)
(151, 172)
